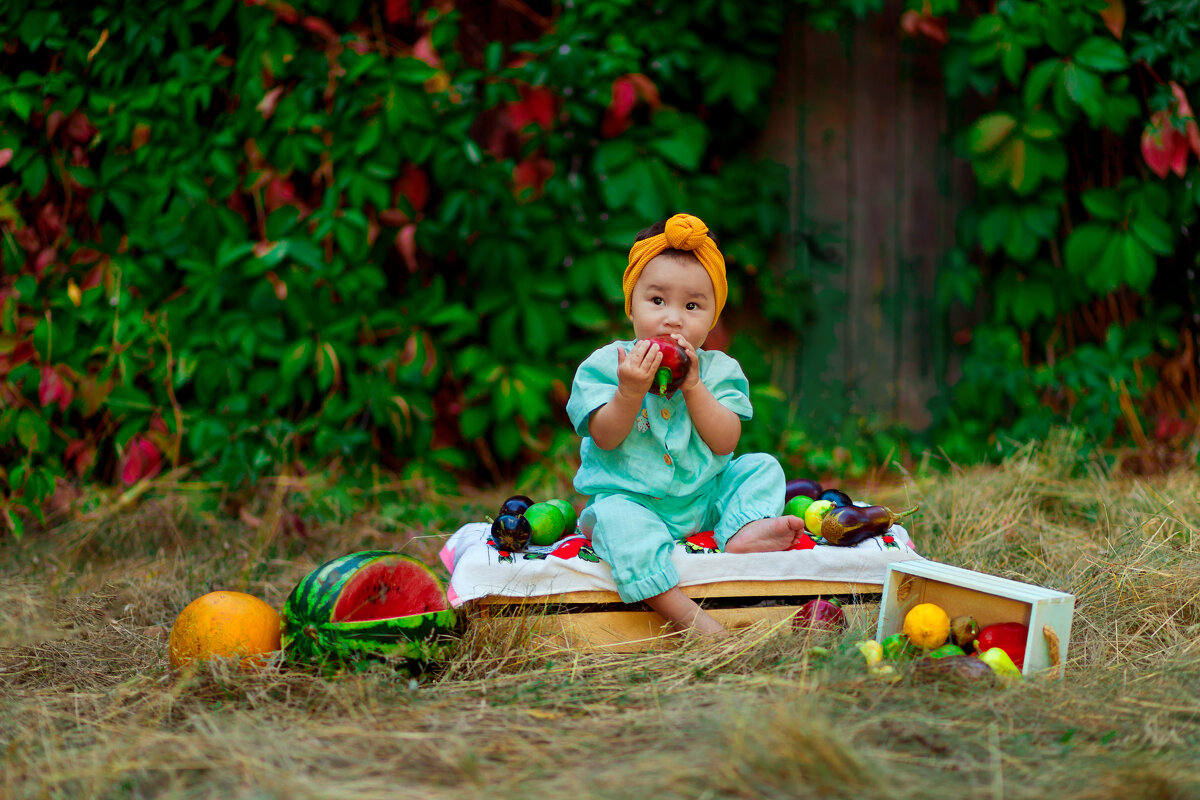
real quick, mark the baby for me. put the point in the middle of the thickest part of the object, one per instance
(661, 469)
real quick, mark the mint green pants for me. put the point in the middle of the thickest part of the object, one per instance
(636, 534)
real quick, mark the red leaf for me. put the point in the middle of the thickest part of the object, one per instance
(319, 27)
(43, 261)
(406, 243)
(1114, 17)
(266, 106)
(624, 96)
(423, 50)
(53, 123)
(532, 173)
(396, 11)
(280, 192)
(79, 129)
(80, 454)
(1184, 111)
(6, 155)
(141, 135)
(141, 460)
(413, 184)
(1163, 147)
(54, 389)
(535, 106)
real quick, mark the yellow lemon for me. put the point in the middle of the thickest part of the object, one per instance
(927, 626)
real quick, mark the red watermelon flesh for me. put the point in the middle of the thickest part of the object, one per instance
(390, 587)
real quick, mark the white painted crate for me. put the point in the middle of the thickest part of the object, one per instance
(987, 598)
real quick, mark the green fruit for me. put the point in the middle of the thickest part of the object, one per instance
(369, 606)
(815, 512)
(547, 523)
(569, 514)
(797, 506)
(897, 647)
(946, 650)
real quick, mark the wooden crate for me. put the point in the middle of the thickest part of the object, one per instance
(599, 621)
(987, 598)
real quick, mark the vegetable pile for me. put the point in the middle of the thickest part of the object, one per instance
(832, 515)
(522, 522)
(955, 648)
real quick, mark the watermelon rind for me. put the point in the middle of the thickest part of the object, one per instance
(410, 644)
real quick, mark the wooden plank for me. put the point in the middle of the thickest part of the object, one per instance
(871, 268)
(794, 588)
(821, 218)
(636, 631)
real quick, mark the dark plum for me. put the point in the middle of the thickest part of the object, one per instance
(515, 505)
(511, 532)
(802, 486)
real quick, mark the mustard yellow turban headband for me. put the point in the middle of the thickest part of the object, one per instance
(683, 232)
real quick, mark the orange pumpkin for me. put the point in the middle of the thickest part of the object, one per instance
(227, 624)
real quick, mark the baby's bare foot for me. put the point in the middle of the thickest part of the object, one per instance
(766, 535)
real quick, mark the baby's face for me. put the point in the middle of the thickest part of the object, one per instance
(673, 295)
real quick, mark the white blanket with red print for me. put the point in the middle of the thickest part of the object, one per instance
(478, 569)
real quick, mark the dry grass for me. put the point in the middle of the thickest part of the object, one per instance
(88, 707)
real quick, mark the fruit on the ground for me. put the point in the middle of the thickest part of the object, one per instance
(954, 669)
(570, 516)
(511, 532)
(1001, 664)
(515, 505)
(846, 526)
(897, 647)
(802, 486)
(963, 630)
(1008, 636)
(225, 624)
(927, 626)
(871, 651)
(546, 523)
(797, 505)
(813, 515)
(369, 606)
(672, 370)
(820, 613)
(948, 649)
(836, 496)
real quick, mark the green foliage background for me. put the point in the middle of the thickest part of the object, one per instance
(258, 235)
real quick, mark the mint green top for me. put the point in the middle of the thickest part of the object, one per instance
(639, 465)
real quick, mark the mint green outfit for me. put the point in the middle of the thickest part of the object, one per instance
(663, 483)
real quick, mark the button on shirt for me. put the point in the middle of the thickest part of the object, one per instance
(663, 455)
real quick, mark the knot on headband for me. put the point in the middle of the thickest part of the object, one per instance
(683, 232)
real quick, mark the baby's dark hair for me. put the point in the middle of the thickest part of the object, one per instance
(661, 227)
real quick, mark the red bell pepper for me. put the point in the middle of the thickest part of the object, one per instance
(1008, 636)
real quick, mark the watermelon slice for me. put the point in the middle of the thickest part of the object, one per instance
(369, 606)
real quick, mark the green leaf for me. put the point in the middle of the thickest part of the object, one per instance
(1084, 247)
(15, 524)
(1085, 88)
(985, 28)
(1042, 126)
(990, 131)
(1013, 63)
(1154, 232)
(993, 227)
(1139, 263)
(411, 71)
(687, 143)
(1039, 80)
(1102, 54)
(1103, 204)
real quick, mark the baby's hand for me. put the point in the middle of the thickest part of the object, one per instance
(636, 369)
(693, 374)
